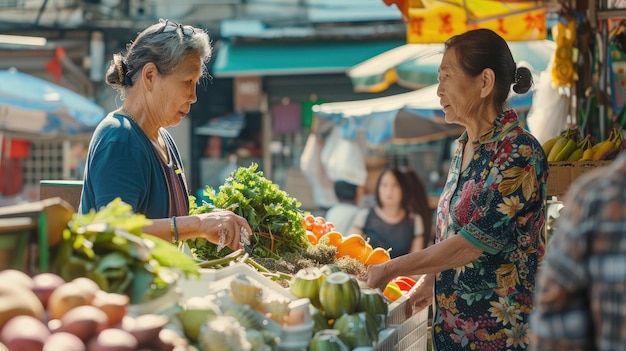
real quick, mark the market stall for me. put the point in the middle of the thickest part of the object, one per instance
(35, 111)
(293, 287)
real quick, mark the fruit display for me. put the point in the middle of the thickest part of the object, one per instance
(113, 287)
(569, 146)
(45, 312)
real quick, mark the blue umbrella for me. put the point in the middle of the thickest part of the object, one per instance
(65, 111)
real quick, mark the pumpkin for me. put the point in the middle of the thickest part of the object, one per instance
(339, 294)
(333, 238)
(354, 246)
(378, 256)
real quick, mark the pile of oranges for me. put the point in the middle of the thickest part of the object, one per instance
(354, 245)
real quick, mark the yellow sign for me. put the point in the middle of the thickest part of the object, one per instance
(437, 21)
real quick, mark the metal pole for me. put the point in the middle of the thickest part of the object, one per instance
(602, 113)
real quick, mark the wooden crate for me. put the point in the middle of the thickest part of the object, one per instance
(563, 173)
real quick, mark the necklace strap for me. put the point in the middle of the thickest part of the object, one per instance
(127, 114)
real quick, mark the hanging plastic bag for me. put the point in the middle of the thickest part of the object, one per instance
(347, 162)
(547, 117)
(312, 168)
(330, 143)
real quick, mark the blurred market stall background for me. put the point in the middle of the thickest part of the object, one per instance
(283, 70)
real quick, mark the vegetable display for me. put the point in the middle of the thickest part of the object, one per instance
(275, 218)
(109, 248)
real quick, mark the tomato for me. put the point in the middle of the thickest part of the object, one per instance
(309, 221)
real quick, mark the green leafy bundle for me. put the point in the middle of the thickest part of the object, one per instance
(109, 248)
(275, 218)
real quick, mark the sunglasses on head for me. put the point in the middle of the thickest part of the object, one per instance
(170, 26)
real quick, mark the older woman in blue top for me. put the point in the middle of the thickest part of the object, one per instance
(131, 154)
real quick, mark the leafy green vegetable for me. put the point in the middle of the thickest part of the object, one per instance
(109, 247)
(275, 218)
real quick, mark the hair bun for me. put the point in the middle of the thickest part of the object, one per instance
(523, 80)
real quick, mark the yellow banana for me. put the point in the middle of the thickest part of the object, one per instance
(547, 146)
(587, 155)
(557, 147)
(569, 147)
(601, 148)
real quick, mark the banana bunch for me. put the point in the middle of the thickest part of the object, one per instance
(570, 147)
(561, 147)
(609, 148)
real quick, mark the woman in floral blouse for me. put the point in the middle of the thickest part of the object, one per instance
(490, 218)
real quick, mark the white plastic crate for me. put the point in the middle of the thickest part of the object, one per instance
(216, 281)
(412, 327)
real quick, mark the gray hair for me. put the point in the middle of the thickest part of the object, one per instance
(165, 44)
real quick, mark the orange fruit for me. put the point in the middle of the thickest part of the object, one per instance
(333, 238)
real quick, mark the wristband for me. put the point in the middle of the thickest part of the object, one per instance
(174, 229)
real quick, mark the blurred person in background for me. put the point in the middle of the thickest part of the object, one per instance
(490, 218)
(391, 223)
(132, 156)
(580, 302)
(343, 212)
(419, 204)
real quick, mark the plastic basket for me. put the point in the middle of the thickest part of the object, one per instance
(217, 281)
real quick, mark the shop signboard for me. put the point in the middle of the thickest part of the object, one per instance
(436, 21)
(247, 91)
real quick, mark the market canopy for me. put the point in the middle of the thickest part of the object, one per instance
(416, 65)
(33, 107)
(285, 58)
(421, 118)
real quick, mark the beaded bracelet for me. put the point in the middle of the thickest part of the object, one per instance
(174, 229)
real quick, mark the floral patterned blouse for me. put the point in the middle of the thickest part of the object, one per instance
(497, 204)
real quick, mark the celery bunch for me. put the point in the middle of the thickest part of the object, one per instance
(275, 218)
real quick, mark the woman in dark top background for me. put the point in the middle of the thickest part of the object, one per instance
(391, 223)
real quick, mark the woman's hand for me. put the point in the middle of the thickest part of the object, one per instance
(224, 228)
(377, 275)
